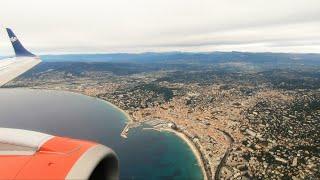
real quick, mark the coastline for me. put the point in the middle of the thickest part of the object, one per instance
(127, 116)
(196, 152)
(193, 148)
(181, 135)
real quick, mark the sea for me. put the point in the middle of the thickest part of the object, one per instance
(145, 154)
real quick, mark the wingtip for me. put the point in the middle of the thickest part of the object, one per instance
(17, 46)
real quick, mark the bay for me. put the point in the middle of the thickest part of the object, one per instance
(145, 154)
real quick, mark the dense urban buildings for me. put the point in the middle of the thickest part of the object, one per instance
(253, 118)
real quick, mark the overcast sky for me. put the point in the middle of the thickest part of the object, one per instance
(71, 26)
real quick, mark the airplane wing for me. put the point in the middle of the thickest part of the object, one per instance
(11, 68)
(33, 155)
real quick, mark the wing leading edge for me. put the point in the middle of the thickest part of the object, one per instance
(11, 68)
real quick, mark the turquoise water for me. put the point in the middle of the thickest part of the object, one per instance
(145, 154)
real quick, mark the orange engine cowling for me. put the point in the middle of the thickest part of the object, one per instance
(33, 155)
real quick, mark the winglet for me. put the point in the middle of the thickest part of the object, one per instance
(17, 46)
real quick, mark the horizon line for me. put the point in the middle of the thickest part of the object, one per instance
(164, 52)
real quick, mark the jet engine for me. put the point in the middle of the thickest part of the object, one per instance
(33, 155)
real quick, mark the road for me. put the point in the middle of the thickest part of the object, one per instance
(225, 156)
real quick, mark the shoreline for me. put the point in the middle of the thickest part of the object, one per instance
(127, 116)
(193, 148)
(196, 152)
(129, 119)
(181, 135)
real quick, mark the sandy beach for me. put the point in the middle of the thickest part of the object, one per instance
(192, 147)
(129, 120)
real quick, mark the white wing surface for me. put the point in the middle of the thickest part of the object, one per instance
(13, 67)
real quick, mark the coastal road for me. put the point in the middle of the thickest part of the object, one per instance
(225, 156)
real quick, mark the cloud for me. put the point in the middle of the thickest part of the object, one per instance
(47, 26)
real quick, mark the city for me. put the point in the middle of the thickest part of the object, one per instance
(246, 119)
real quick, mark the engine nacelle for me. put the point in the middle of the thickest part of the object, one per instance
(33, 155)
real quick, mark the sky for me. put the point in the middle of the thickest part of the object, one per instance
(107, 26)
